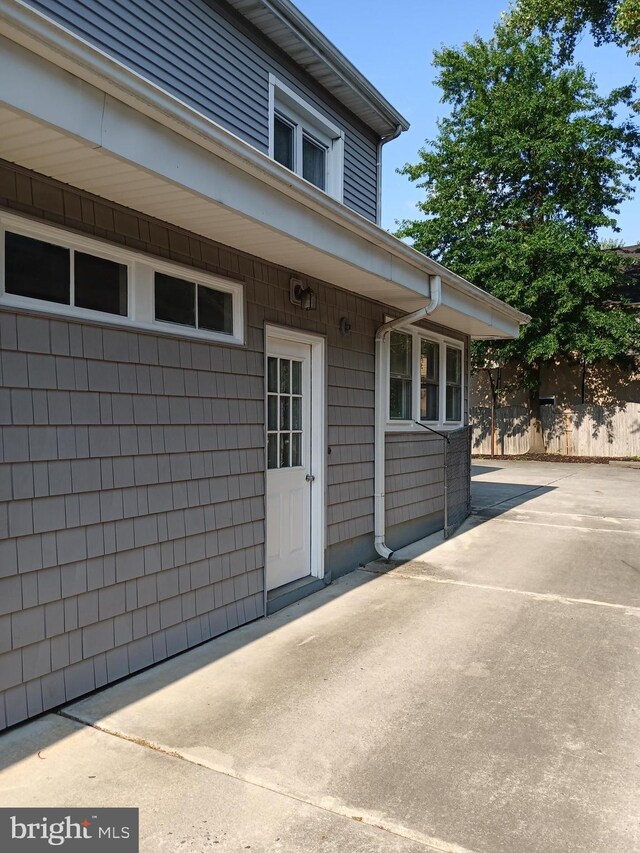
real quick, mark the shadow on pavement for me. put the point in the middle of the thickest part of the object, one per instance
(488, 500)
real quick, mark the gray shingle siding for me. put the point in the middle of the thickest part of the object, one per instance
(414, 477)
(132, 499)
(207, 56)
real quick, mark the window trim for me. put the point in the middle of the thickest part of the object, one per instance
(307, 120)
(141, 271)
(443, 341)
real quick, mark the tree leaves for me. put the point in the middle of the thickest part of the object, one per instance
(528, 165)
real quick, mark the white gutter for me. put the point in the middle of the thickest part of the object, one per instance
(381, 410)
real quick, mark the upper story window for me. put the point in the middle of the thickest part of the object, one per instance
(48, 269)
(425, 379)
(304, 140)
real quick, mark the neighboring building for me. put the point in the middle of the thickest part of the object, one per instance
(200, 419)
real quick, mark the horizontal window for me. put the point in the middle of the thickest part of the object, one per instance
(189, 304)
(36, 269)
(49, 269)
(425, 379)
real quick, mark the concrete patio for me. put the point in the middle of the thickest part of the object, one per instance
(481, 694)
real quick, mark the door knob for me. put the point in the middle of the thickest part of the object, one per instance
(309, 478)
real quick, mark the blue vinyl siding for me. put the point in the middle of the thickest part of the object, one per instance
(195, 50)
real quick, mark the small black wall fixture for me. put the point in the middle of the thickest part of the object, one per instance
(345, 326)
(301, 294)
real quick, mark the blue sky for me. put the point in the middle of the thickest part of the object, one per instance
(392, 44)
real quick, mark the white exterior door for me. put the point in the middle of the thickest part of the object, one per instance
(290, 476)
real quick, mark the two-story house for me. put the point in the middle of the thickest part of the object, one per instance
(214, 362)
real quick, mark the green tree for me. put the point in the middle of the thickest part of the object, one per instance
(527, 167)
(608, 20)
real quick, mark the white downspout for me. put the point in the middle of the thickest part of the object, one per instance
(382, 141)
(381, 405)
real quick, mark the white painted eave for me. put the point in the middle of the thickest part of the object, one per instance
(285, 25)
(202, 177)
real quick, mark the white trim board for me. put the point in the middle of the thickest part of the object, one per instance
(318, 437)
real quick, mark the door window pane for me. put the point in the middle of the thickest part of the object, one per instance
(285, 443)
(272, 412)
(215, 310)
(285, 375)
(285, 403)
(296, 377)
(99, 284)
(175, 300)
(296, 413)
(284, 412)
(296, 449)
(272, 451)
(313, 162)
(272, 374)
(37, 269)
(283, 142)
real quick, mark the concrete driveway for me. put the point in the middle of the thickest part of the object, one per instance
(481, 694)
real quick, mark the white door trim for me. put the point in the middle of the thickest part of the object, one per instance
(318, 437)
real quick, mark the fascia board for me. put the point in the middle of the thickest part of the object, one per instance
(328, 54)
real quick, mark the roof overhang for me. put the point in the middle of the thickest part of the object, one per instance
(285, 25)
(70, 112)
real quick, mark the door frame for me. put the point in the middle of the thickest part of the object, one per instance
(318, 460)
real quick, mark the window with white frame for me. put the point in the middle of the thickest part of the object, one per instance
(305, 141)
(425, 379)
(47, 269)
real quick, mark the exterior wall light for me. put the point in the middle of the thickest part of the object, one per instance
(302, 295)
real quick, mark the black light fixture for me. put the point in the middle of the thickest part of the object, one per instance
(345, 326)
(301, 294)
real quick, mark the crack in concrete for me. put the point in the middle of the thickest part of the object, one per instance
(337, 808)
(585, 529)
(540, 596)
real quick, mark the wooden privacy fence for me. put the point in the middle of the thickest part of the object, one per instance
(581, 430)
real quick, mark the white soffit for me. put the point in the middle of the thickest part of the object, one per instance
(56, 124)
